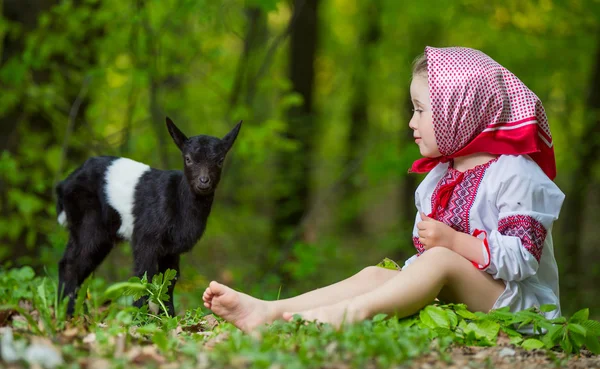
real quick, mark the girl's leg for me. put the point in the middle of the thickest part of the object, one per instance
(247, 312)
(438, 271)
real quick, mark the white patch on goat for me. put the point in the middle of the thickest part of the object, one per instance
(122, 176)
(62, 218)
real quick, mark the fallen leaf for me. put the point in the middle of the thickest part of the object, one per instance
(140, 356)
(211, 322)
(99, 364)
(25, 305)
(215, 340)
(90, 338)
(70, 333)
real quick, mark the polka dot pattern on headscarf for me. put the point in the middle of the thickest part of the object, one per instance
(480, 106)
(470, 92)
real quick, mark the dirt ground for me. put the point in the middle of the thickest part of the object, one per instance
(505, 357)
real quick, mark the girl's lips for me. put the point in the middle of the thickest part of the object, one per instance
(417, 139)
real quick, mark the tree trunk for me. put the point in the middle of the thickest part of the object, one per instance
(359, 119)
(294, 169)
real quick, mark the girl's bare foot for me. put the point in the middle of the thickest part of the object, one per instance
(243, 311)
(338, 314)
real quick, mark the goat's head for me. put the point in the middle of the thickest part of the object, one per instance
(203, 157)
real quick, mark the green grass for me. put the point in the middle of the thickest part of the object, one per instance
(107, 330)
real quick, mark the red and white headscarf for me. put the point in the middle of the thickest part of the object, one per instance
(480, 106)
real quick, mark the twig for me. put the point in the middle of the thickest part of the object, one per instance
(72, 117)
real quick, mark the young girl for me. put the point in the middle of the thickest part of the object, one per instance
(485, 210)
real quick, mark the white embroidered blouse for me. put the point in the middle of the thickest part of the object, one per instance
(510, 204)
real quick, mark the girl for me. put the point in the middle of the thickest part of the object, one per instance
(484, 212)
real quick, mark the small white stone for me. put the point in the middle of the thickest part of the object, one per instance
(506, 352)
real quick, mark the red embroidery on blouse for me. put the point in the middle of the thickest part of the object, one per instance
(418, 245)
(456, 213)
(531, 232)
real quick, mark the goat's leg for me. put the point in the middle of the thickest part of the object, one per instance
(170, 261)
(80, 260)
(68, 274)
(145, 259)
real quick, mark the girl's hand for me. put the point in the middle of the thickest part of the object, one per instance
(434, 233)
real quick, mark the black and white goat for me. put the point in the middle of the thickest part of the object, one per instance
(163, 213)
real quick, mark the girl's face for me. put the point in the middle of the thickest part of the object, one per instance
(422, 120)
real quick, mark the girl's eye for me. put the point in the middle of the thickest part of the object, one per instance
(417, 110)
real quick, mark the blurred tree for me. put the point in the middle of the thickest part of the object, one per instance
(572, 215)
(35, 69)
(292, 199)
(368, 39)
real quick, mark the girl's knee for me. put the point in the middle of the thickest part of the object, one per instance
(376, 273)
(439, 253)
(444, 259)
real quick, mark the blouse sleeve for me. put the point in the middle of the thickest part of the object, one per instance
(528, 204)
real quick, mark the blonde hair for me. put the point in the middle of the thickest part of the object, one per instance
(420, 66)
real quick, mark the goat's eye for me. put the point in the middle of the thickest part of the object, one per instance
(220, 162)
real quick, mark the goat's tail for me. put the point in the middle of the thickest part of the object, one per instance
(60, 209)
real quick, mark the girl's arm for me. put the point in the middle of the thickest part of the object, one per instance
(527, 208)
(470, 247)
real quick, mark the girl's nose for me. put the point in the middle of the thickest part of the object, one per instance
(412, 124)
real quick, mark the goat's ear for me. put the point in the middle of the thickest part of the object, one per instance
(177, 135)
(229, 138)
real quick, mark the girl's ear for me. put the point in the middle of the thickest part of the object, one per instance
(229, 139)
(176, 134)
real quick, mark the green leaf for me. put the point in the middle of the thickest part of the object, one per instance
(516, 340)
(580, 316)
(388, 263)
(566, 344)
(379, 317)
(592, 344)
(546, 308)
(592, 327)
(551, 338)
(136, 290)
(452, 318)
(576, 328)
(577, 339)
(532, 343)
(81, 296)
(484, 329)
(462, 311)
(148, 329)
(41, 290)
(434, 316)
(160, 339)
(559, 320)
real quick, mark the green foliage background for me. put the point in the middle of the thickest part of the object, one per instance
(81, 78)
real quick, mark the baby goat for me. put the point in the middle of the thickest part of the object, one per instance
(162, 213)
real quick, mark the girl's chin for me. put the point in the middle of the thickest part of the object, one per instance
(430, 155)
